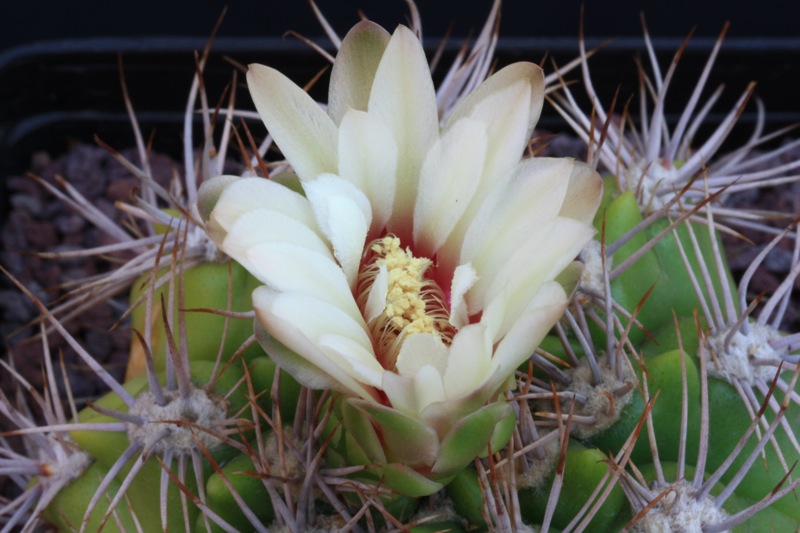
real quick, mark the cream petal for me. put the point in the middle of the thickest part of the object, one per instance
(420, 349)
(242, 195)
(302, 130)
(303, 371)
(400, 391)
(376, 299)
(209, 192)
(403, 97)
(527, 331)
(428, 387)
(344, 215)
(293, 268)
(368, 159)
(540, 258)
(262, 226)
(469, 362)
(509, 103)
(354, 69)
(585, 192)
(504, 112)
(499, 111)
(449, 178)
(512, 212)
(299, 322)
(363, 364)
(464, 277)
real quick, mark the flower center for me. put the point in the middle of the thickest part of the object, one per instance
(413, 302)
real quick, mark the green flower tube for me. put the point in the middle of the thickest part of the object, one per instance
(407, 455)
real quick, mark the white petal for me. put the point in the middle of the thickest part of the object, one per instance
(509, 103)
(469, 362)
(464, 278)
(511, 213)
(293, 268)
(299, 321)
(249, 194)
(301, 129)
(209, 193)
(376, 300)
(428, 387)
(540, 258)
(420, 349)
(354, 68)
(484, 103)
(363, 364)
(528, 331)
(448, 181)
(262, 226)
(585, 192)
(403, 97)
(400, 391)
(304, 372)
(344, 215)
(368, 159)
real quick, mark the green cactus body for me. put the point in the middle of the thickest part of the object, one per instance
(729, 419)
(67, 509)
(262, 374)
(468, 498)
(107, 446)
(241, 474)
(665, 377)
(205, 287)
(661, 268)
(584, 469)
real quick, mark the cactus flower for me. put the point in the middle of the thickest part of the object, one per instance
(424, 261)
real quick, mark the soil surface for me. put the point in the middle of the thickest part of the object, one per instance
(38, 221)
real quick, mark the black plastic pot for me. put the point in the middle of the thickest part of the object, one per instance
(56, 92)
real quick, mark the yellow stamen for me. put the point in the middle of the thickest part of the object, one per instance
(405, 307)
(414, 304)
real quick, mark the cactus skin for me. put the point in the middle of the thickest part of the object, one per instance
(240, 472)
(583, 470)
(205, 287)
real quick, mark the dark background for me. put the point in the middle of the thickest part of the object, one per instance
(43, 20)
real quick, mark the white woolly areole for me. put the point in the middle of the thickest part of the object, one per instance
(196, 410)
(539, 470)
(602, 404)
(197, 238)
(649, 179)
(681, 511)
(592, 277)
(739, 361)
(67, 468)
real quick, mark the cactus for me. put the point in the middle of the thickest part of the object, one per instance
(421, 351)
